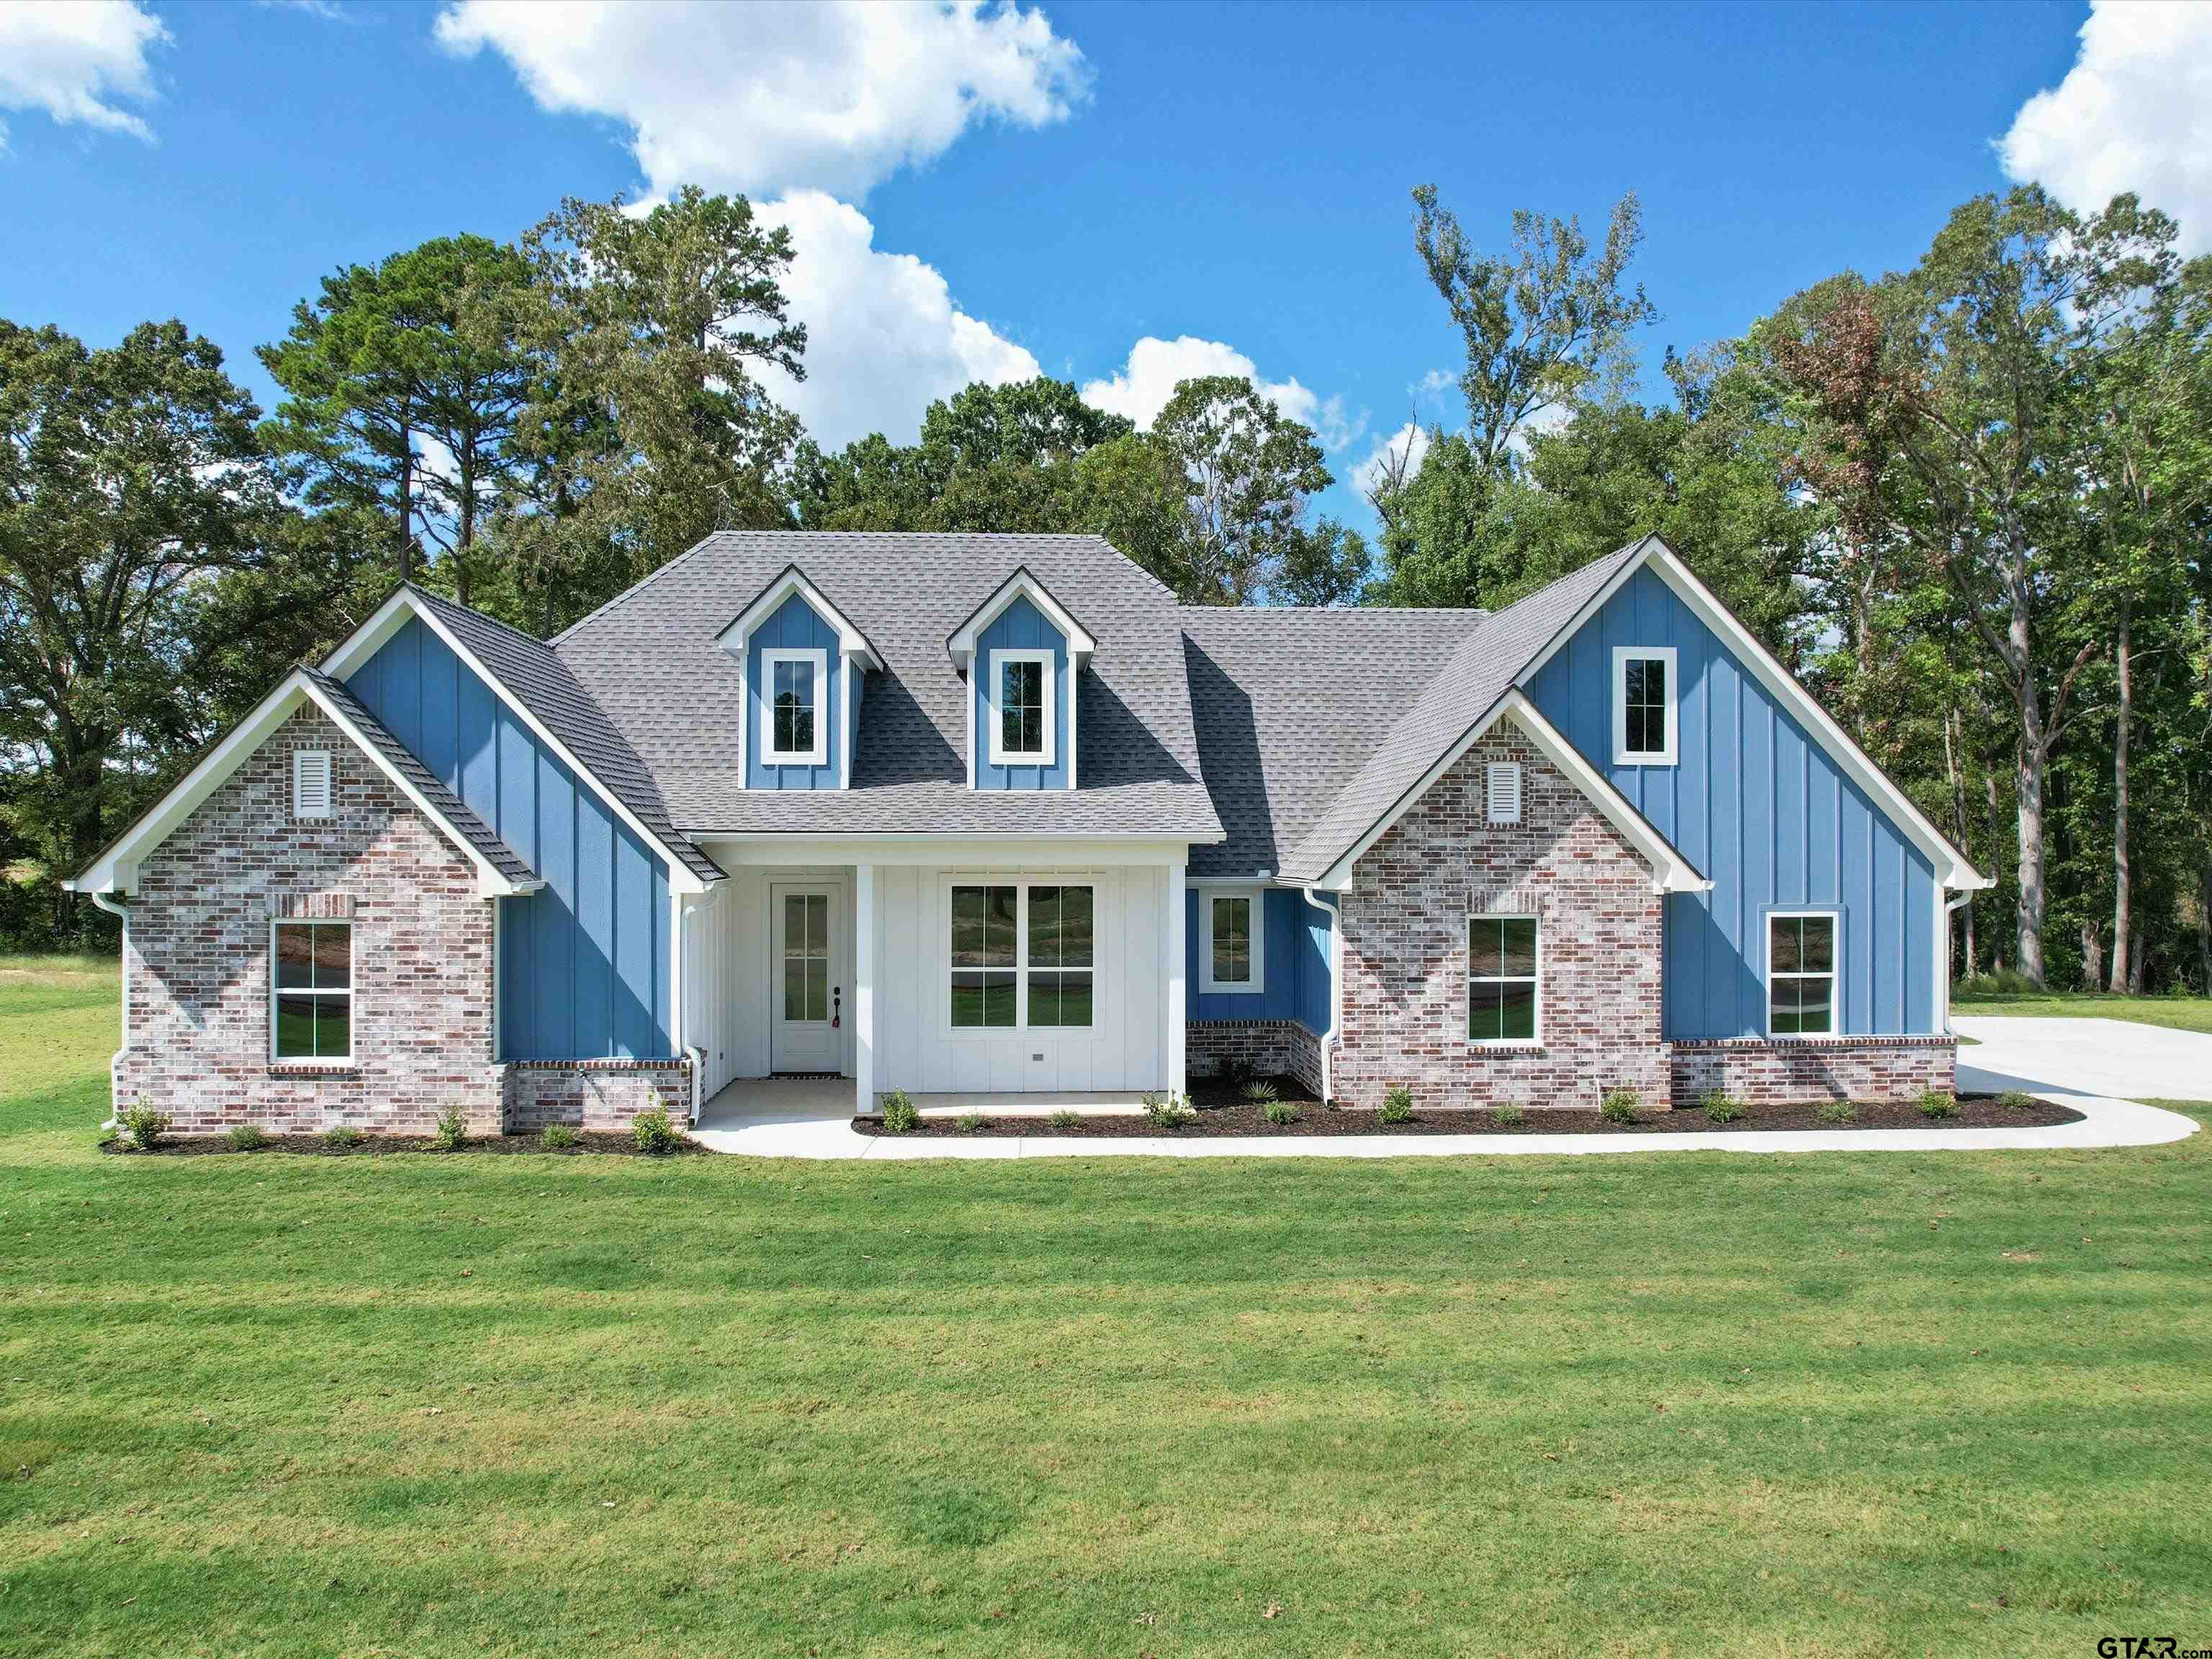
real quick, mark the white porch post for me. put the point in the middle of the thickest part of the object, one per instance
(864, 987)
(1176, 1033)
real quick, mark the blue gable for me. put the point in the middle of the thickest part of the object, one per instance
(1757, 806)
(1021, 626)
(583, 962)
(1297, 986)
(794, 627)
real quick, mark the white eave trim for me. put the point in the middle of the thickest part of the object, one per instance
(1020, 584)
(1670, 872)
(117, 870)
(1952, 869)
(392, 615)
(852, 643)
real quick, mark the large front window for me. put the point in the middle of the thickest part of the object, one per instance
(1021, 708)
(792, 730)
(1501, 979)
(1801, 973)
(1022, 954)
(311, 1011)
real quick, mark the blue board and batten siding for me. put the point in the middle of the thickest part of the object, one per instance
(1022, 627)
(583, 969)
(1295, 945)
(794, 627)
(1760, 807)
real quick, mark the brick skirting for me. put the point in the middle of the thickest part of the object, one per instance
(1763, 1071)
(1272, 1048)
(593, 1094)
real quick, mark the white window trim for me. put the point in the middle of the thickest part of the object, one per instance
(819, 660)
(300, 758)
(1467, 997)
(999, 755)
(1622, 656)
(1834, 975)
(1021, 1027)
(1258, 983)
(332, 1062)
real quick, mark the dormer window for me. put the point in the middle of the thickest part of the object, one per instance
(1021, 692)
(793, 730)
(1645, 697)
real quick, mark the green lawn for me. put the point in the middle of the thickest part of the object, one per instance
(2183, 1013)
(1674, 1404)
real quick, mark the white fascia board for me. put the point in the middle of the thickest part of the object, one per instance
(1012, 852)
(1952, 869)
(851, 642)
(1020, 584)
(392, 614)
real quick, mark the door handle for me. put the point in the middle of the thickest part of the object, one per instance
(836, 1006)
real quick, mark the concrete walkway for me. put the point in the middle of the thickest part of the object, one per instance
(2060, 1060)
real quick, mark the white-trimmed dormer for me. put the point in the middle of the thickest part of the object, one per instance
(1022, 652)
(805, 667)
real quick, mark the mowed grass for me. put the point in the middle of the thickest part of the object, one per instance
(1668, 1404)
(2183, 1013)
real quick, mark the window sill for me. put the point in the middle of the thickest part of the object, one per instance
(315, 1068)
(1646, 760)
(1232, 990)
(1507, 1045)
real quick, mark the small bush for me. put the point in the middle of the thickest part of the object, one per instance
(654, 1132)
(452, 1130)
(1505, 1113)
(968, 1122)
(1936, 1104)
(2004, 982)
(1064, 1119)
(899, 1114)
(558, 1137)
(244, 1137)
(342, 1136)
(1259, 1091)
(1618, 1106)
(1167, 1111)
(1721, 1107)
(145, 1126)
(1239, 1071)
(1397, 1105)
(2017, 1100)
(1839, 1111)
(1280, 1112)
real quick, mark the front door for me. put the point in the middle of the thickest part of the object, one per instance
(807, 1032)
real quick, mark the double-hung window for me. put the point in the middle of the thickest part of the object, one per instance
(1645, 698)
(311, 993)
(794, 725)
(1801, 973)
(1021, 708)
(1232, 945)
(1023, 955)
(1501, 979)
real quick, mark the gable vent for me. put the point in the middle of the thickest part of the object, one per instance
(1502, 789)
(310, 783)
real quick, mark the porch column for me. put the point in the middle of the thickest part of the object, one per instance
(1175, 1032)
(864, 987)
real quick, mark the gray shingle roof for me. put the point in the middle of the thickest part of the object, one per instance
(449, 806)
(543, 682)
(649, 661)
(1486, 666)
(1290, 703)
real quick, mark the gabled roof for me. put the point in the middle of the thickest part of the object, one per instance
(500, 870)
(650, 660)
(1022, 585)
(791, 579)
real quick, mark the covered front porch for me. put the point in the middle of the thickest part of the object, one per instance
(820, 973)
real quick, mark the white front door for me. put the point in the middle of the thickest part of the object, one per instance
(806, 1023)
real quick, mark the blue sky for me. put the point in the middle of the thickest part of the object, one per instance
(1224, 181)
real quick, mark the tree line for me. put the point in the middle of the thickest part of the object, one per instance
(1967, 503)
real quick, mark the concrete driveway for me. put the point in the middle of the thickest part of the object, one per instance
(2107, 1058)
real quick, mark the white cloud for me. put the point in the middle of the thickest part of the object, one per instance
(1141, 388)
(1409, 443)
(884, 336)
(776, 96)
(71, 59)
(2134, 112)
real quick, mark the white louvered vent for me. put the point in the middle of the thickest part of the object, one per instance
(310, 783)
(1502, 786)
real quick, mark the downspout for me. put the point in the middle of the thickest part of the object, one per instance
(123, 911)
(1335, 992)
(1950, 907)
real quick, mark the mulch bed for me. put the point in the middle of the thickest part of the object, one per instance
(598, 1141)
(1222, 1113)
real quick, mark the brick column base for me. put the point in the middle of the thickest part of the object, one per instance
(592, 1094)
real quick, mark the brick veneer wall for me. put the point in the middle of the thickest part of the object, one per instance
(198, 1044)
(1793, 1072)
(594, 1094)
(1404, 947)
(1272, 1048)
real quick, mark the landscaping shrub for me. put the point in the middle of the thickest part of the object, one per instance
(1721, 1107)
(1238, 1072)
(559, 1137)
(970, 1123)
(654, 1132)
(1397, 1105)
(1280, 1111)
(2017, 1100)
(452, 1130)
(899, 1114)
(1618, 1106)
(1839, 1111)
(1506, 1114)
(1936, 1104)
(244, 1137)
(1259, 1091)
(343, 1136)
(145, 1126)
(1064, 1119)
(1167, 1111)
